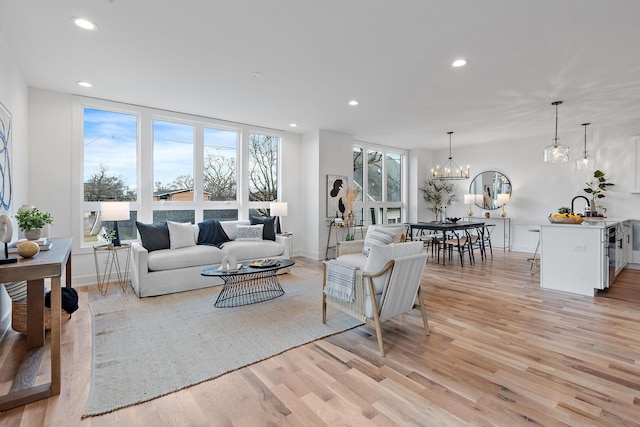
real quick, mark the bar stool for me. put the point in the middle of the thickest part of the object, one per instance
(535, 261)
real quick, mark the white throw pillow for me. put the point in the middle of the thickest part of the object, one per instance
(249, 232)
(180, 234)
(381, 235)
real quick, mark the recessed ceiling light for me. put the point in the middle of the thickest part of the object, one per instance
(84, 23)
(353, 102)
(85, 84)
(293, 125)
(459, 63)
(256, 74)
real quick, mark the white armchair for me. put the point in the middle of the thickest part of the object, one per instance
(386, 285)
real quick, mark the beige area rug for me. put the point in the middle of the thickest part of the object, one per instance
(146, 348)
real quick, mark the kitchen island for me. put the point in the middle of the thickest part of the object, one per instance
(582, 258)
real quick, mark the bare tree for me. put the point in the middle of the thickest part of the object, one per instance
(263, 173)
(104, 186)
(182, 182)
(220, 177)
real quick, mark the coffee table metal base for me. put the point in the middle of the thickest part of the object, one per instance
(247, 289)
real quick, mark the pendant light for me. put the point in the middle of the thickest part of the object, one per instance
(556, 153)
(450, 170)
(585, 162)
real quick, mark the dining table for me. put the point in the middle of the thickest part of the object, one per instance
(443, 231)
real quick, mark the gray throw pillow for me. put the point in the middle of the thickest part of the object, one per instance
(154, 236)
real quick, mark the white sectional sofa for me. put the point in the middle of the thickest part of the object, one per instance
(178, 269)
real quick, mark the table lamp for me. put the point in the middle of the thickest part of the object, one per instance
(503, 198)
(469, 199)
(115, 211)
(278, 209)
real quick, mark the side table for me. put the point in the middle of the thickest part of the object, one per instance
(289, 235)
(112, 263)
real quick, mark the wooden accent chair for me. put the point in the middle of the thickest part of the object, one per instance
(386, 285)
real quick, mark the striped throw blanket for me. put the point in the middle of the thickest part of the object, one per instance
(341, 278)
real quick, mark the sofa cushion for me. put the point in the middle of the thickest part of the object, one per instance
(180, 235)
(191, 256)
(249, 232)
(250, 249)
(382, 235)
(154, 236)
(269, 226)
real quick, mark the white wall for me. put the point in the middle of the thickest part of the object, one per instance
(13, 95)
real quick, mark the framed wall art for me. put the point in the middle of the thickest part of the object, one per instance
(6, 178)
(336, 189)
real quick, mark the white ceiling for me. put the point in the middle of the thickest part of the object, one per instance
(395, 57)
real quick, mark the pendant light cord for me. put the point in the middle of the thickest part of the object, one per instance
(555, 140)
(585, 139)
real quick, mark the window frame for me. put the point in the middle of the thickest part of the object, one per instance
(362, 205)
(144, 203)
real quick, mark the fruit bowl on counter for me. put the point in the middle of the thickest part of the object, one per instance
(566, 220)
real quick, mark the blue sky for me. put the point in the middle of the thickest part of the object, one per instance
(110, 139)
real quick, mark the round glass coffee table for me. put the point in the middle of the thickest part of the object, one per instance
(255, 281)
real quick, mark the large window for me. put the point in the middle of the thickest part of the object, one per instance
(379, 175)
(173, 161)
(220, 164)
(263, 177)
(172, 166)
(110, 142)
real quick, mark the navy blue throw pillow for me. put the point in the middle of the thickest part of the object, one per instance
(211, 233)
(154, 236)
(269, 229)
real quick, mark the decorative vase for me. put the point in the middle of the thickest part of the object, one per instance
(592, 207)
(33, 234)
(352, 217)
(28, 249)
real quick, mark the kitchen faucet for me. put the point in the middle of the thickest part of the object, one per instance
(586, 208)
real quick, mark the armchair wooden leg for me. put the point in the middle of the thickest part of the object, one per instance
(324, 296)
(423, 310)
(379, 334)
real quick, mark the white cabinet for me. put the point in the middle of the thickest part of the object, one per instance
(635, 242)
(574, 258)
(621, 260)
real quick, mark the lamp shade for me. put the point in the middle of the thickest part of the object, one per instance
(469, 199)
(279, 208)
(114, 211)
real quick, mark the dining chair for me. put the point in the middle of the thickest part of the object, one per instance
(461, 240)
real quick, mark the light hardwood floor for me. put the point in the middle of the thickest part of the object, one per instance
(502, 352)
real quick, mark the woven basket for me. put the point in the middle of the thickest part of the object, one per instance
(19, 316)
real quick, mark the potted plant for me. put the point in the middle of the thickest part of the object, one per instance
(109, 236)
(439, 194)
(596, 188)
(32, 221)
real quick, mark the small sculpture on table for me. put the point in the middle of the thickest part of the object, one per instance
(6, 232)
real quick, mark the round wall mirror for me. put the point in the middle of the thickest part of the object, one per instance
(490, 188)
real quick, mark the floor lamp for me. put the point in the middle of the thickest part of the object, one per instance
(278, 209)
(114, 211)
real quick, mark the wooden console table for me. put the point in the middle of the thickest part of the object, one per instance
(47, 264)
